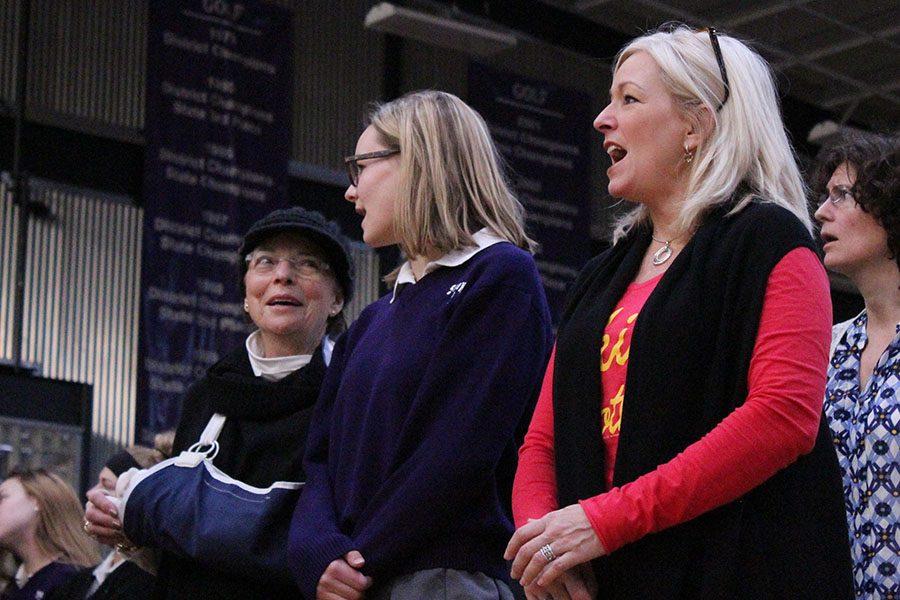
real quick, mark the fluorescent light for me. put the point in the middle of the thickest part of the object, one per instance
(437, 31)
(828, 132)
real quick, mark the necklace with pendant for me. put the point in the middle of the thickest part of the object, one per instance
(664, 253)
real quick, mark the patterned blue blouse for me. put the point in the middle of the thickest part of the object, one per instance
(866, 432)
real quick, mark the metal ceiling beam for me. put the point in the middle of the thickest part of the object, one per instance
(783, 55)
(849, 27)
(545, 22)
(841, 100)
(848, 112)
(843, 46)
(586, 5)
(755, 15)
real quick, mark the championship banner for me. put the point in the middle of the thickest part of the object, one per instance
(543, 132)
(218, 142)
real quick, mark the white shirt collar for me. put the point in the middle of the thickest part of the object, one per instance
(483, 238)
(21, 576)
(102, 571)
(272, 369)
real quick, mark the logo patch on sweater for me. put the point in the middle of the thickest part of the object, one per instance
(455, 289)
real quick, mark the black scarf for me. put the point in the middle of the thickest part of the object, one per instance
(232, 386)
(266, 421)
(690, 353)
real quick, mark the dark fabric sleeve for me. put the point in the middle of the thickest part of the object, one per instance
(127, 582)
(73, 589)
(315, 539)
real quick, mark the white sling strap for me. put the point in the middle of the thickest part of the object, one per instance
(207, 446)
(213, 429)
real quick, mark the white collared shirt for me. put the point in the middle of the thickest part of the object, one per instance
(484, 238)
(272, 369)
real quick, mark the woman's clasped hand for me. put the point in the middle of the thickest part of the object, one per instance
(566, 538)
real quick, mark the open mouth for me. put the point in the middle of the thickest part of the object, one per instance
(616, 152)
(827, 237)
(284, 301)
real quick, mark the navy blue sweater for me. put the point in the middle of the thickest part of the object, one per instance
(411, 449)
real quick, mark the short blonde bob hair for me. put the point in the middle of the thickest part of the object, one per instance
(748, 147)
(452, 182)
(60, 517)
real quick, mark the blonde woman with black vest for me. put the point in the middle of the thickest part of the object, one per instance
(676, 450)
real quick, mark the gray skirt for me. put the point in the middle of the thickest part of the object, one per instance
(444, 584)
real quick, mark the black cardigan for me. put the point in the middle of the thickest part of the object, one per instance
(127, 582)
(690, 353)
(263, 441)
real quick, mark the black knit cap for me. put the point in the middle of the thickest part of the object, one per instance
(313, 225)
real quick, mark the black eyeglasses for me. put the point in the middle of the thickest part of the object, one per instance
(714, 41)
(352, 162)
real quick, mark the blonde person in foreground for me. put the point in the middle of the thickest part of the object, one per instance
(677, 449)
(412, 446)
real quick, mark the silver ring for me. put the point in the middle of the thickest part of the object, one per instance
(547, 552)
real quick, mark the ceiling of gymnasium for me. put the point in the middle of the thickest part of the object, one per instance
(839, 55)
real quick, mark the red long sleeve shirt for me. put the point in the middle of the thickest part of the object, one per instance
(776, 424)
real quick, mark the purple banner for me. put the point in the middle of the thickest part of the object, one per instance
(218, 141)
(543, 131)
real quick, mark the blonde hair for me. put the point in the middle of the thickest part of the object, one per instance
(145, 457)
(164, 442)
(60, 516)
(452, 182)
(748, 145)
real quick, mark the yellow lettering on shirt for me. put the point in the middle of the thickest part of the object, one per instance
(612, 414)
(617, 353)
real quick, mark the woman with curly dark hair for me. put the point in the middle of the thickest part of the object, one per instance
(860, 217)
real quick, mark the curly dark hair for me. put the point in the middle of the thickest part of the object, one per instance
(877, 186)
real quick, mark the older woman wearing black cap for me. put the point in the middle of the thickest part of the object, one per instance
(297, 276)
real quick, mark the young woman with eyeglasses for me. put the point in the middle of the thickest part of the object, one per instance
(412, 447)
(676, 450)
(859, 211)
(296, 275)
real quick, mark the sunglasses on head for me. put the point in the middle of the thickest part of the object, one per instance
(714, 41)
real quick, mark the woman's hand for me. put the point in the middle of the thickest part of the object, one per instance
(342, 579)
(574, 584)
(571, 541)
(101, 519)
